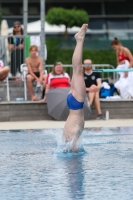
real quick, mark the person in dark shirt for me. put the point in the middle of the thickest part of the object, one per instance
(16, 46)
(93, 85)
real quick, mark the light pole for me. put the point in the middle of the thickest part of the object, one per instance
(25, 19)
(42, 17)
(25, 15)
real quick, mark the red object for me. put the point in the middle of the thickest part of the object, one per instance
(58, 81)
(122, 56)
(1, 64)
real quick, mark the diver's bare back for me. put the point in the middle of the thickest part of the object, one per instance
(34, 63)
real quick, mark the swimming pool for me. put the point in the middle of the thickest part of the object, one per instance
(31, 168)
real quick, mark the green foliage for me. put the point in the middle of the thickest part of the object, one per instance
(57, 16)
(53, 50)
(101, 56)
(78, 17)
(67, 17)
(55, 53)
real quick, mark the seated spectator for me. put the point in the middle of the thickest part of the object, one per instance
(35, 71)
(57, 78)
(122, 54)
(93, 85)
(125, 84)
(16, 45)
(3, 71)
(124, 61)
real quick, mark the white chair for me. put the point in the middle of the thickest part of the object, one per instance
(7, 88)
(24, 71)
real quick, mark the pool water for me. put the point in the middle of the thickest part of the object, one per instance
(32, 168)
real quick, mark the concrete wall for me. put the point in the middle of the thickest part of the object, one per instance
(118, 109)
(23, 111)
(28, 111)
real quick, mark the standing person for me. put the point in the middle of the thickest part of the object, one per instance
(16, 45)
(35, 70)
(75, 100)
(125, 61)
(93, 85)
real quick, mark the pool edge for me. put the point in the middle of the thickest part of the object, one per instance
(58, 124)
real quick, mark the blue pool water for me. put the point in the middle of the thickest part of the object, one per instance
(31, 167)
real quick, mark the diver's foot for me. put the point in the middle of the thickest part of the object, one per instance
(81, 34)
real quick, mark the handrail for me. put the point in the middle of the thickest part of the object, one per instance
(114, 70)
(94, 66)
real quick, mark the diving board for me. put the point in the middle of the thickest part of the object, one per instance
(113, 70)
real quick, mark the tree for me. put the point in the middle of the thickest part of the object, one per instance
(67, 17)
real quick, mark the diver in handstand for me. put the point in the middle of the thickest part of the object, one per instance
(75, 100)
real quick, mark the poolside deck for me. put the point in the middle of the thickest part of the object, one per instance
(56, 124)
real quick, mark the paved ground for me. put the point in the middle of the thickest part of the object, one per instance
(57, 124)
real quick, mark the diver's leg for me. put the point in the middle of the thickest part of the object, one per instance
(78, 85)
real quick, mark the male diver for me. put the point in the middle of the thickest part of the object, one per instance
(75, 100)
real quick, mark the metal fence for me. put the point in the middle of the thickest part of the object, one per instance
(14, 50)
(68, 69)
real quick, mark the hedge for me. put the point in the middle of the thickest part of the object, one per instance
(56, 53)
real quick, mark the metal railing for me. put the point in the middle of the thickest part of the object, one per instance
(15, 49)
(15, 57)
(68, 69)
